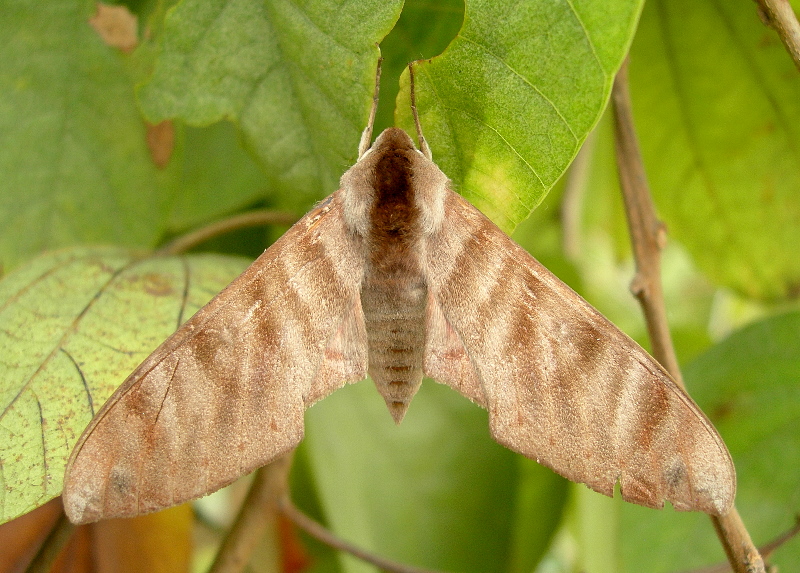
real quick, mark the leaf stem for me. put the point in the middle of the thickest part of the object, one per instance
(778, 15)
(319, 532)
(648, 236)
(185, 242)
(259, 510)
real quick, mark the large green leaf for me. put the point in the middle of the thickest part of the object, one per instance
(74, 165)
(508, 104)
(749, 384)
(298, 79)
(73, 325)
(717, 104)
(435, 491)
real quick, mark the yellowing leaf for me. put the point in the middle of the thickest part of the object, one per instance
(157, 543)
(73, 324)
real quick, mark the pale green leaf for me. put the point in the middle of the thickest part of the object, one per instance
(73, 325)
(435, 491)
(717, 103)
(424, 30)
(218, 177)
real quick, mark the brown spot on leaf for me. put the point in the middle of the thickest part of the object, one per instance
(156, 285)
(161, 142)
(792, 290)
(116, 26)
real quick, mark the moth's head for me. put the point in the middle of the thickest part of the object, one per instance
(393, 174)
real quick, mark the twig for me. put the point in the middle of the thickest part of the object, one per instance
(252, 219)
(648, 236)
(742, 554)
(319, 532)
(770, 547)
(765, 550)
(259, 509)
(52, 546)
(778, 15)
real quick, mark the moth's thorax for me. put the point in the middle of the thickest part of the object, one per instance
(400, 182)
(394, 199)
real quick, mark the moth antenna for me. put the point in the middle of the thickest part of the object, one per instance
(423, 145)
(366, 135)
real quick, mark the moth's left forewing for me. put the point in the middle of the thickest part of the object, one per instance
(562, 384)
(226, 393)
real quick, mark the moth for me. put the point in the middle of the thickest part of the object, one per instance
(397, 277)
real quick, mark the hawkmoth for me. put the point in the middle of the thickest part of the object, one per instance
(396, 276)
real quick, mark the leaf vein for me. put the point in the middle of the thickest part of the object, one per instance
(527, 81)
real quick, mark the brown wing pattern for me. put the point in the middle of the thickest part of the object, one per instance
(227, 392)
(562, 384)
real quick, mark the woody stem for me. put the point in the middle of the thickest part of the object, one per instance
(648, 236)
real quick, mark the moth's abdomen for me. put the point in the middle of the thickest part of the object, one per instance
(394, 314)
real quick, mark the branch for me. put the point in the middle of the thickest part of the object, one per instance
(252, 219)
(765, 550)
(648, 236)
(778, 15)
(259, 510)
(322, 534)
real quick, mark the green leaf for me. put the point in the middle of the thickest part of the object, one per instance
(435, 491)
(297, 78)
(73, 325)
(508, 104)
(749, 384)
(75, 166)
(424, 30)
(717, 104)
(541, 498)
(218, 177)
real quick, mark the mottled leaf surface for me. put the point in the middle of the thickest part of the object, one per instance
(73, 324)
(296, 78)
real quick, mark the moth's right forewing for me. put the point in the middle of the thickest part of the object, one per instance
(562, 384)
(227, 392)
